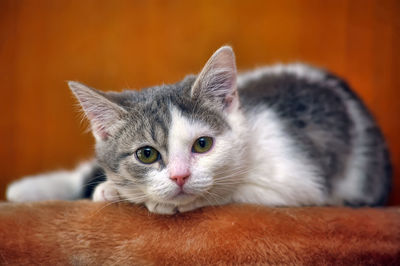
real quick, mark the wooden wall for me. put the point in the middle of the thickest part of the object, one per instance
(119, 44)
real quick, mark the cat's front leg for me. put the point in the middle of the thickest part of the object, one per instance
(106, 192)
(160, 208)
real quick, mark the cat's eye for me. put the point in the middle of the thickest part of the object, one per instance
(147, 155)
(202, 144)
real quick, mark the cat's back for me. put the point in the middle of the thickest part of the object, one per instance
(304, 98)
(327, 123)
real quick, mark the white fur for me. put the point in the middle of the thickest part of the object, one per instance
(350, 186)
(106, 192)
(61, 185)
(299, 69)
(278, 174)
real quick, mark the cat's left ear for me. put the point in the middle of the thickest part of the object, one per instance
(104, 115)
(217, 80)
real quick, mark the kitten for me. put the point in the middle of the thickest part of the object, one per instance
(286, 135)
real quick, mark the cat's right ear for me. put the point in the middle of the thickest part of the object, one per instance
(217, 80)
(103, 114)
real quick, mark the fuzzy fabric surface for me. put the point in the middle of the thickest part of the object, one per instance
(89, 233)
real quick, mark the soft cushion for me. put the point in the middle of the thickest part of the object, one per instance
(84, 232)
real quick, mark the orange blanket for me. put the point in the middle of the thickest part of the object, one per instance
(83, 232)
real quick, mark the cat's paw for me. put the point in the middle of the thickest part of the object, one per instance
(24, 190)
(105, 192)
(160, 208)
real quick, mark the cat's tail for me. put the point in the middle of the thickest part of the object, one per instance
(60, 185)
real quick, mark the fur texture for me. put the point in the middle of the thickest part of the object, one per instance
(287, 135)
(88, 233)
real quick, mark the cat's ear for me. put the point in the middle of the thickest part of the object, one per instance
(103, 114)
(217, 80)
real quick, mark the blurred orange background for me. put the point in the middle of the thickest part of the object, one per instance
(133, 44)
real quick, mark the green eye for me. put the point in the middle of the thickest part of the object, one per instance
(202, 144)
(147, 155)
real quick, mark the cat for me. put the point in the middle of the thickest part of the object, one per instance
(283, 135)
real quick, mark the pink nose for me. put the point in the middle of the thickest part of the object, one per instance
(180, 179)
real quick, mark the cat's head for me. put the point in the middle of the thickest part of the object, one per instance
(173, 143)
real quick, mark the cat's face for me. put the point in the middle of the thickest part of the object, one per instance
(175, 162)
(174, 143)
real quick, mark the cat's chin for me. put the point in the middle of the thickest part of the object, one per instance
(181, 197)
(172, 208)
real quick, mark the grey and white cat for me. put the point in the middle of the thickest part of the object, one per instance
(285, 135)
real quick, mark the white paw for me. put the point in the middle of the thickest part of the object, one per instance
(60, 185)
(24, 190)
(106, 192)
(160, 208)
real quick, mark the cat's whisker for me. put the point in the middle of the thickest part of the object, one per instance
(207, 199)
(225, 187)
(108, 204)
(214, 195)
(136, 200)
(232, 171)
(90, 184)
(233, 176)
(228, 180)
(132, 197)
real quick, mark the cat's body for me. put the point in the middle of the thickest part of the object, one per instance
(287, 135)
